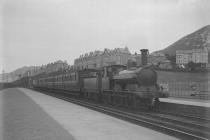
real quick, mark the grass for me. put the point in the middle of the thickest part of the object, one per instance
(168, 76)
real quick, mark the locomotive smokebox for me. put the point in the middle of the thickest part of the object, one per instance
(144, 55)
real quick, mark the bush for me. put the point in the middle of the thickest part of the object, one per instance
(191, 66)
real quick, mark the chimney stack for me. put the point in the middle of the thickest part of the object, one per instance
(144, 55)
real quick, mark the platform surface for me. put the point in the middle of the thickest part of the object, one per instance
(23, 119)
(41, 117)
(185, 101)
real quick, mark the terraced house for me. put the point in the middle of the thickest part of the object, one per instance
(99, 59)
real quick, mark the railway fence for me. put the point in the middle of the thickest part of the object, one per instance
(194, 90)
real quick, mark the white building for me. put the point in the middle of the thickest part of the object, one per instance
(195, 55)
(183, 56)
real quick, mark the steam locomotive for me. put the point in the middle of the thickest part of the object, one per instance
(115, 84)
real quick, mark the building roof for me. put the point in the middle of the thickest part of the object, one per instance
(105, 52)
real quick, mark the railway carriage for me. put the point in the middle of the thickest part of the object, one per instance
(70, 81)
(59, 80)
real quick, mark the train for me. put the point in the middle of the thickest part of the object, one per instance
(120, 85)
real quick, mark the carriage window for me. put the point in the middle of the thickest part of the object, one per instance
(111, 71)
(70, 77)
(66, 77)
(102, 73)
(73, 76)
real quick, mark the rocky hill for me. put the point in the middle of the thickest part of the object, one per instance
(197, 39)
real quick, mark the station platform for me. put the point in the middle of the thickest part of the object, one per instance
(186, 101)
(31, 115)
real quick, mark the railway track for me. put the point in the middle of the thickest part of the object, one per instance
(179, 127)
(189, 115)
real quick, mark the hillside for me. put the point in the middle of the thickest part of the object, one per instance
(33, 70)
(16, 74)
(195, 40)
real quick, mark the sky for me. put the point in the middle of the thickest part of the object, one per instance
(36, 32)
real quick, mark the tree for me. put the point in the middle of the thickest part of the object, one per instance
(172, 59)
(191, 65)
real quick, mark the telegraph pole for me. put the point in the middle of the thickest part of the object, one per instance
(29, 79)
(2, 75)
(2, 78)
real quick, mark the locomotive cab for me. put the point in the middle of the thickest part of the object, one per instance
(108, 73)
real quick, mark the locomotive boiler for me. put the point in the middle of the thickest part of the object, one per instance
(141, 82)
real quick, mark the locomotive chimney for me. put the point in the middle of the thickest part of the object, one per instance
(144, 55)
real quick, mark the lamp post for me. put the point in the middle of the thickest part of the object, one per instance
(2, 78)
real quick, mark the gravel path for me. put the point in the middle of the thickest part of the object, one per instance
(23, 119)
